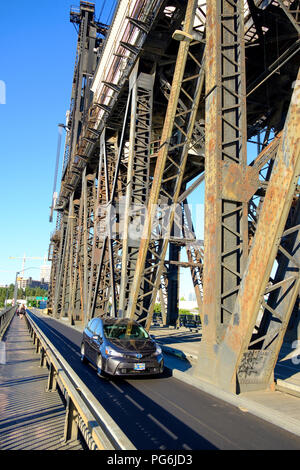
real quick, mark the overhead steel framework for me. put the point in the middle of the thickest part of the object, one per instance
(174, 95)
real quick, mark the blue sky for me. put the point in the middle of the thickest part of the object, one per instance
(37, 46)
(37, 49)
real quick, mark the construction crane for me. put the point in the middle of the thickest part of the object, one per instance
(24, 258)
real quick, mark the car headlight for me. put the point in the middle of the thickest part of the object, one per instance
(112, 352)
(158, 350)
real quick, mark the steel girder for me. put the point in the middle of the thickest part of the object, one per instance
(99, 273)
(63, 275)
(195, 255)
(106, 248)
(124, 177)
(61, 267)
(228, 184)
(247, 361)
(138, 178)
(228, 356)
(174, 145)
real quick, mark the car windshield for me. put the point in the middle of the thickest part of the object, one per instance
(125, 331)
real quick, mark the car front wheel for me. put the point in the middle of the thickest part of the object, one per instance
(100, 371)
(82, 354)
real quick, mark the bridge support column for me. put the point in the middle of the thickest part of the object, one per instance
(171, 160)
(247, 361)
(138, 179)
(227, 180)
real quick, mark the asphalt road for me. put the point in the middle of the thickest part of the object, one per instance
(167, 414)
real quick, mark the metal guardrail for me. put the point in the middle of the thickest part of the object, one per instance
(5, 319)
(83, 411)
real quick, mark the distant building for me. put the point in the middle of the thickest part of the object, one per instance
(45, 273)
(22, 282)
(29, 282)
(192, 296)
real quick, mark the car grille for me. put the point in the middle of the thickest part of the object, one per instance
(133, 355)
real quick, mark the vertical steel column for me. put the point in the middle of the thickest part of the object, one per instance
(138, 179)
(76, 271)
(101, 258)
(171, 160)
(195, 255)
(173, 284)
(88, 195)
(105, 261)
(85, 66)
(109, 163)
(226, 222)
(53, 256)
(68, 262)
(242, 367)
(65, 233)
(99, 234)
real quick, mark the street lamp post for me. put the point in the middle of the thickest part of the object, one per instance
(16, 289)
(16, 284)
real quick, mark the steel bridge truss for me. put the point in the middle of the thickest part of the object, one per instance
(189, 86)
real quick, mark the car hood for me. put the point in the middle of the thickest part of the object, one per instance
(133, 345)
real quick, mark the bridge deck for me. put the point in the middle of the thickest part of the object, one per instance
(280, 407)
(30, 417)
(33, 419)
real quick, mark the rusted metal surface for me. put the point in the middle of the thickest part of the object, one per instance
(157, 189)
(143, 143)
(138, 177)
(238, 183)
(270, 228)
(226, 238)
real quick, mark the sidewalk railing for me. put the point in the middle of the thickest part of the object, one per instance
(5, 319)
(83, 411)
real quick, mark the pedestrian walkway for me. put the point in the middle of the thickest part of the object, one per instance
(30, 417)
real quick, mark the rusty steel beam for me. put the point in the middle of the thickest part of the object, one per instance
(148, 274)
(95, 273)
(229, 182)
(234, 353)
(105, 253)
(194, 250)
(75, 294)
(138, 177)
(62, 269)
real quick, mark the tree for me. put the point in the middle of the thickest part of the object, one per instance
(157, 308)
